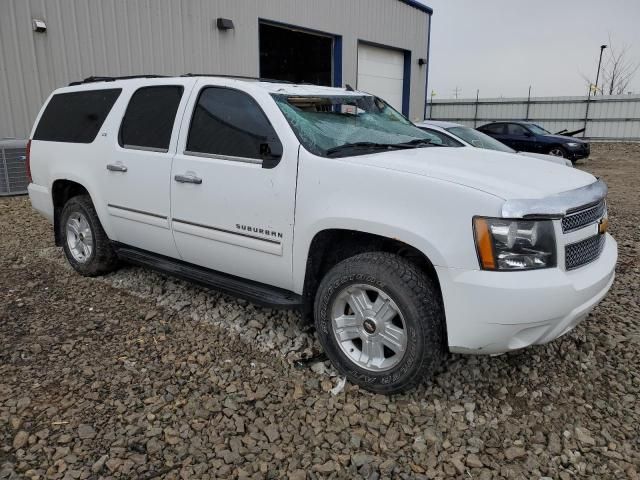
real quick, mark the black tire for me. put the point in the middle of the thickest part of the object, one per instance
(558, 152)
(103, 258)
(417, 299)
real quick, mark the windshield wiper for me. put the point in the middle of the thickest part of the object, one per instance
(417, 142)
(379, 146)
(363, 145)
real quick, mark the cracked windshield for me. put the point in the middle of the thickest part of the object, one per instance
(334, 126)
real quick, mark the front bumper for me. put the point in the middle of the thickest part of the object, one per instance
(583, 151)
(496, 312)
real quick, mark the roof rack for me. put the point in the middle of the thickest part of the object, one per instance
(239, 77)
(94, 79)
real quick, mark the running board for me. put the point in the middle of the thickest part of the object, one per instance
(255, 292)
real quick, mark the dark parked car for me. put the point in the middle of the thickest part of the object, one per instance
(529, 137)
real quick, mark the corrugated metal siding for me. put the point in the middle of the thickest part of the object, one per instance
(610, 117)
(118, 37)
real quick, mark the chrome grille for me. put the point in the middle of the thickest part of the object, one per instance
(13, 168)
(583, 252)
(582, 218)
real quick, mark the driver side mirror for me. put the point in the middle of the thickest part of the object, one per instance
(527, 133)
(271, 153)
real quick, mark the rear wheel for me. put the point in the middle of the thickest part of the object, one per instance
(379, 320)
(84, 241)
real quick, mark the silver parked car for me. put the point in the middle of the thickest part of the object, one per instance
(449, 133)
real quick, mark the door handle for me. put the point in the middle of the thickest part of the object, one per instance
(188, 178)
(116, 167)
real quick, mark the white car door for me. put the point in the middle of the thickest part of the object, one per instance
(233, 185)
(137, 171)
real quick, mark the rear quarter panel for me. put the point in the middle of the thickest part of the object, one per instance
(75, 162)
(78, 162)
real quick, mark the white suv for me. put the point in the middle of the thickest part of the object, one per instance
(327, 200)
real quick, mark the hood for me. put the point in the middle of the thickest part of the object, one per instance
(505, 175)
(548, 158)
(564, 139)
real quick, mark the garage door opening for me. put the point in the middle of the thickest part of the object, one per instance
(384, 72)
(297, 55)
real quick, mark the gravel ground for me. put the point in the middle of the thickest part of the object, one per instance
(136, 375)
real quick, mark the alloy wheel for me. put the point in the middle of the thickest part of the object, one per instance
(556, 152)
(79, 237)
(369, 327)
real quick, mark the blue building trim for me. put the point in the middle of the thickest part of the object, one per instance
(426, 79)
(337, 61)
(420, 6)
(406, 84)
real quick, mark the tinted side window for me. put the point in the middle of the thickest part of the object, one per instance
(515, 129)
(148, 121)
(230, 122)
(497, 128)
(439, 138)
(75, 117)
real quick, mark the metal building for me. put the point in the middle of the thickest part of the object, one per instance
(379, 46)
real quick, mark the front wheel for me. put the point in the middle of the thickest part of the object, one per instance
(558, 152)
(379, 319)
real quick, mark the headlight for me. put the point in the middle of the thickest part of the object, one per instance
(514, 244)
(572, 144)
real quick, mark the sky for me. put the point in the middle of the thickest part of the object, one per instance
(502, 47)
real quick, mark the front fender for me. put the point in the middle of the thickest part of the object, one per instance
(431, 215)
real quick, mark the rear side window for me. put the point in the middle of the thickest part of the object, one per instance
(439, 138)
(497, 128)
(229, 122)
(75, 117)
(148, 121)
(515, 129)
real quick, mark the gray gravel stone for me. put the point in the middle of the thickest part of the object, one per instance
(99, 464)
(86, 431)
(360, 459)
(20, 440)
(169, 380)
(514, 452)
(473, 461)
(584, 436)
(298, 474)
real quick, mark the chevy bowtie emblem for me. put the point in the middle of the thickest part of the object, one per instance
(603, 226)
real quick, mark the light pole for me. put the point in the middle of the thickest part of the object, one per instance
(602, 47)
(586, 115)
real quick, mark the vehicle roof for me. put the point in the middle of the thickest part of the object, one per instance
(440, 123)
(307, 89)
(271, 86)
(520, 122)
